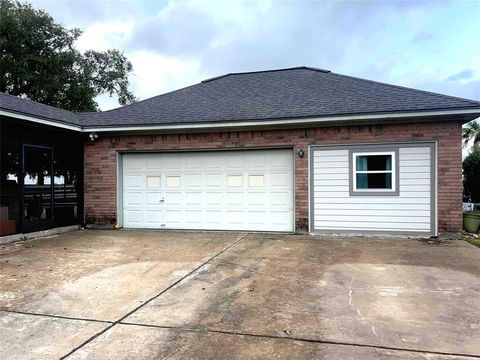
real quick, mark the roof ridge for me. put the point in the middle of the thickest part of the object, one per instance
(474, 102)
(266, 71)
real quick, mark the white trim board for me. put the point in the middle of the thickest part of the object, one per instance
(312, 121)
(40, 120)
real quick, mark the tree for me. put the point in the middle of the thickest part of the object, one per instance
(38, 61)
(471, 131)
(471, 174)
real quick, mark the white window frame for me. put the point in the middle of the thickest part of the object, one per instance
(393, 173)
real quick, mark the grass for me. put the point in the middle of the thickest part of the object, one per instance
(473, 241)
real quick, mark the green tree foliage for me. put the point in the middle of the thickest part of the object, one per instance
(471, 174)
(38, 61)
(471, 132)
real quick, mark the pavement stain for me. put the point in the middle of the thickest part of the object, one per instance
(99, 267)
(381, 292)
(225, 294)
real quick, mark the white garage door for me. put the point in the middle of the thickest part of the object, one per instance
(221, 190)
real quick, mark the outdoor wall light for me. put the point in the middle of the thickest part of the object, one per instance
(93, 136)
(301, 153)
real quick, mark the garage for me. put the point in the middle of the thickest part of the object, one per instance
(209, 190)
(387, 188)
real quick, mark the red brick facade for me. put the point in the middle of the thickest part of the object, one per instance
(101, 158)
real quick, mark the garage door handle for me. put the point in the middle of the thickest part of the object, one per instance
(162, 200)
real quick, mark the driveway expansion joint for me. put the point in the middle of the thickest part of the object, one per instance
(55, 316)
(112, 324)
(296, 338)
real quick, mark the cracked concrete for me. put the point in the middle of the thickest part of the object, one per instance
(205, 295)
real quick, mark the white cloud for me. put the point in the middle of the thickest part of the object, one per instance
(155, 74)
(104, 36)
(176, 43)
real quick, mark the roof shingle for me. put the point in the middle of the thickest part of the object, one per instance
(264, 95)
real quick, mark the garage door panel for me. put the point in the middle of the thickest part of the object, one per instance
(278, 161)
(134, 198)
(193, 217)
(279, 179)
(172, 162)
(257, 161)
(213, 217)
(134, 162)
(232, 190)
(173, 216)
(174, 198)
(234, 161)
(193, 180)
(235, 198)
(153, 216)
(153, 163)
(193, 198)
(234, 217)
(281, 198)
(213, 198)
(214, 162)
(193, 162)
(134, 216)
(134, 181)
(280, 217)
(257, 198)
(214, 180)
(256, 218)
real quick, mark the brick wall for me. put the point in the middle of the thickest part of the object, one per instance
(100, 160)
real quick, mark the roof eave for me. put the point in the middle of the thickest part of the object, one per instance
(464, 115)
(40, 120)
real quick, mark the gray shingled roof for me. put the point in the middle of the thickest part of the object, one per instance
(32, 108)
(264, 95)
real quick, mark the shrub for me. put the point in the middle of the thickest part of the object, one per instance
(471, 174)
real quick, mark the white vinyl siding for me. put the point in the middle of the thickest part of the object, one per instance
(217, 190)
(335, 209)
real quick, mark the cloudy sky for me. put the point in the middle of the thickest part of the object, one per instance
(431, 45)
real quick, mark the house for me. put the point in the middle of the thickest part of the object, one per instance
(298, 149)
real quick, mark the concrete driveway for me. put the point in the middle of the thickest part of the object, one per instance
(217, 295)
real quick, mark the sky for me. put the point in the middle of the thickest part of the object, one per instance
(430, 45)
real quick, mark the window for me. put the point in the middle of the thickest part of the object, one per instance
(153, 181)
(255, 180)
(173, 181)
(374, 173)
(234, 180)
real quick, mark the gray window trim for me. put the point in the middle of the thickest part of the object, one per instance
(374, 149)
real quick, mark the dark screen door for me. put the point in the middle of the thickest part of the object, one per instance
(37, 188)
